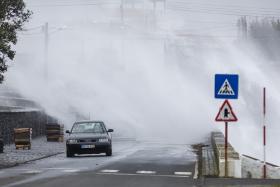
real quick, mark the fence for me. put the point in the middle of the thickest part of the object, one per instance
(21, 119)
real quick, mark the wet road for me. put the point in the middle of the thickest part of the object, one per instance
(134, 163)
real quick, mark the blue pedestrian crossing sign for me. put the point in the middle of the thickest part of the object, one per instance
(226, 86)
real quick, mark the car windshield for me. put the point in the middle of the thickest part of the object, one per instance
(88, 127)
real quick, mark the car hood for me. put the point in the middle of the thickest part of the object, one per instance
(87, 135)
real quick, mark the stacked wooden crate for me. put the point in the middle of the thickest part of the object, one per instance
(54, 132)
(23, 137)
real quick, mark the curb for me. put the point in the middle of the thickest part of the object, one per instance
(25, 162)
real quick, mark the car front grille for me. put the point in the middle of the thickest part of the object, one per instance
(87, 140)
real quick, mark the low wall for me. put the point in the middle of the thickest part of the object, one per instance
(240, 166)
(9, 120)
(253, 168)
(234, 161)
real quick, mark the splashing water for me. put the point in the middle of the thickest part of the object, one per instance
(148, 74)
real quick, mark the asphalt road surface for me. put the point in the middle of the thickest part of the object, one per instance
(134, 163)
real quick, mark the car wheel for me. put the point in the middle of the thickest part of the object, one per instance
(109, 152)
(69, 153)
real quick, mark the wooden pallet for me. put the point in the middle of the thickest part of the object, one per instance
(54, 132)
(23, 147)
(56, 139)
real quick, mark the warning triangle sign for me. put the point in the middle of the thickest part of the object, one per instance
(226, 89)
(226, 113)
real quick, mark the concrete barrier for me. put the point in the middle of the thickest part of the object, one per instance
(234, 161)
(209, 165)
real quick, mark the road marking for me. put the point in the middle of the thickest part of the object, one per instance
(145, 172)
(109, 171)
(182, 173)
(141, 175)
(71, 170)
(21, 169)
(57, 168)
(82, 168)
(32, 172)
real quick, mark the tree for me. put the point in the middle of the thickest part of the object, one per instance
(13, 14)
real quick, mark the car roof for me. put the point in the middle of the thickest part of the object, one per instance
(88, 121)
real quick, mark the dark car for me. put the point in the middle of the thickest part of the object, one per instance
(89, 137)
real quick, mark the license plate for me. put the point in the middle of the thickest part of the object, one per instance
(87, 146)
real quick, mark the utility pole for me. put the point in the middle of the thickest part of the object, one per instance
(164, 6)
(46, 53)
(122, 11)
(155, 5)
(46, 49)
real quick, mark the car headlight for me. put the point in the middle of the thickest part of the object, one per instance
(103, 140)
(72, 141)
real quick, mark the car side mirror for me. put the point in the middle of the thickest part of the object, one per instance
(110, 130)
(67, 131)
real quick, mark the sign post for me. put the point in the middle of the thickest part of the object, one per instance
(226, 149)
(226, 87)
(264, 133)
(226, 115)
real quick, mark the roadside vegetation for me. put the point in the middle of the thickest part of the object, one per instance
(13, 15)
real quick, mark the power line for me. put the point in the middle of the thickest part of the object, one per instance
(222, 9)
(226, 6)
(33, 28)
(74, 4)
(207, 11)
(27, 32)
(180, 4)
